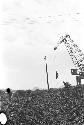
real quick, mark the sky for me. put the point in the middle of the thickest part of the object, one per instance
(30, 31)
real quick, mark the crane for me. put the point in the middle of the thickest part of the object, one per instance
(76, 55)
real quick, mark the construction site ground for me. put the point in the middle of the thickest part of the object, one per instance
(63, 106)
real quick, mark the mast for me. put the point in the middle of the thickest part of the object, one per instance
(46, 73)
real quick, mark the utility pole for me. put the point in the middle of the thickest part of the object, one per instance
(46, 72)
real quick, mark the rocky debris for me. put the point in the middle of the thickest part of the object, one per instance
(64, 106)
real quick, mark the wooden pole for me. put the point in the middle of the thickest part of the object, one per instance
(47, 73)
(47, 76)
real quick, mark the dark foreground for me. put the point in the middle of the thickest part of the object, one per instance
(42, 107)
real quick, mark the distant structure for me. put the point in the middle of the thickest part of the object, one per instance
(76, 55)
(66, 84)
(36, 88)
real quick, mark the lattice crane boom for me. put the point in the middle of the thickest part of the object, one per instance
(75, 53)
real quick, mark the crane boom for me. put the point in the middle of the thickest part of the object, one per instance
(76, 55)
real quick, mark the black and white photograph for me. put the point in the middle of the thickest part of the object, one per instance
(41, 62)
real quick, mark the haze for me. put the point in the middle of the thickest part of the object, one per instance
(30, 31)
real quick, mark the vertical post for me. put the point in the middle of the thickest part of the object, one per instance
(47, 73)
(78, 80)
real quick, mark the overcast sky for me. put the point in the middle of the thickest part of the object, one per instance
(30, 30)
